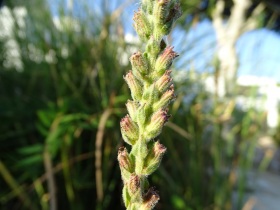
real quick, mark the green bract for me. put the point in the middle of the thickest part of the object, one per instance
(152, 90)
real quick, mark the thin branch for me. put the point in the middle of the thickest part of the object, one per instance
(55, 170)
(179, 130)
(59, 166)
(50, 179)
(98, 153)
(11, 182)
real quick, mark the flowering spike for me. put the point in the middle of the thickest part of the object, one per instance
(152, 90)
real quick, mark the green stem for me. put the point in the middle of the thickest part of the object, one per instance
(14, 186)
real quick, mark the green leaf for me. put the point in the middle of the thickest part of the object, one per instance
(178, 202)
(45, 117)
(42, 129)
(53, 141)
(30, 161)
(31, 149)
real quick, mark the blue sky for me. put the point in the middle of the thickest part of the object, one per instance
(258, 50)
(259, 53)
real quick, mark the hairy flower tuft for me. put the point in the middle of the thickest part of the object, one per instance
(126, 165)
(165, 99)
(154, 157)
(174, 13)
(151, 198)
(139, 63)
(134, 183)
(123, 159)
(165, 60)
(164, 82)
(158, 120)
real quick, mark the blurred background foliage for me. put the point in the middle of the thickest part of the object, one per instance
(62, 95)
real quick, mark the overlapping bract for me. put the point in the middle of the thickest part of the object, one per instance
(152, 90)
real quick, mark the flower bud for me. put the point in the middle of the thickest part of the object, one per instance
(154, 158)
(165, 99)
(160, 11)
(139, 63)
(174, 13)
(133, 184)
(142, 25)
(125, 164)
(158, 150)
(150, 199)
(132, 107)
(134, 188)
(165, 60)
(129, 130)
(166, 13)
(134, 85)
(164, 82)
(124, 160)
(147, 6)
(158, 119)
